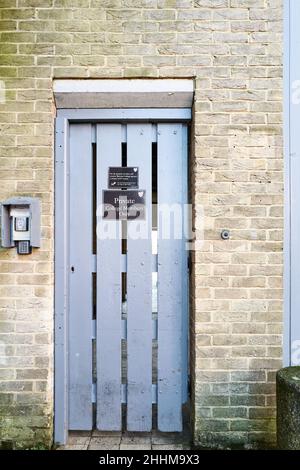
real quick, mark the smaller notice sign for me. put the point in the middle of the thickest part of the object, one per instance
(124, 205)
(123, 177)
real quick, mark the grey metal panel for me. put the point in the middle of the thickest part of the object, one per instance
(80, 304)
(139, 288)
(287, 189)
(109, 290)
(134, 114)
(294, 180)
(170, 284)
(61, 281)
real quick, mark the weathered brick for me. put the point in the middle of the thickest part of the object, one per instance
(35, 3)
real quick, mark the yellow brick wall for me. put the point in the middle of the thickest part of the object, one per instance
(233, 49)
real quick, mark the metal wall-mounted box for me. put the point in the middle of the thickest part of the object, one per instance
(21, 223)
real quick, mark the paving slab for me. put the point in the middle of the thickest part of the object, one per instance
(167, 447)
(97, 433)
(133, 447)
(128, 440)
(136, 440)
(78, 440)
(74, 447)
(104, 443)
(166, 438)
(80, 434)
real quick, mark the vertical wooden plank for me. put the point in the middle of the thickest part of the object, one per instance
(170, 285)
(109, 290)
(139, 288)
(80, 316)
(61, 280)
(185, 272)
(295, 265)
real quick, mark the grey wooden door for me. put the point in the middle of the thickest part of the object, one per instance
(128, 280)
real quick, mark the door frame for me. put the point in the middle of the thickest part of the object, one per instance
(61, 234)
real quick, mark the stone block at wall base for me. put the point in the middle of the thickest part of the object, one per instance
(234, 440)
(19, 431)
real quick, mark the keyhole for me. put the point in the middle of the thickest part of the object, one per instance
(72, 269)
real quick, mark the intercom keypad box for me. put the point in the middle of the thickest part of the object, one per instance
(21, 224)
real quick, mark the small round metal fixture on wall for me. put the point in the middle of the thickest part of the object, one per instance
(225, 234)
